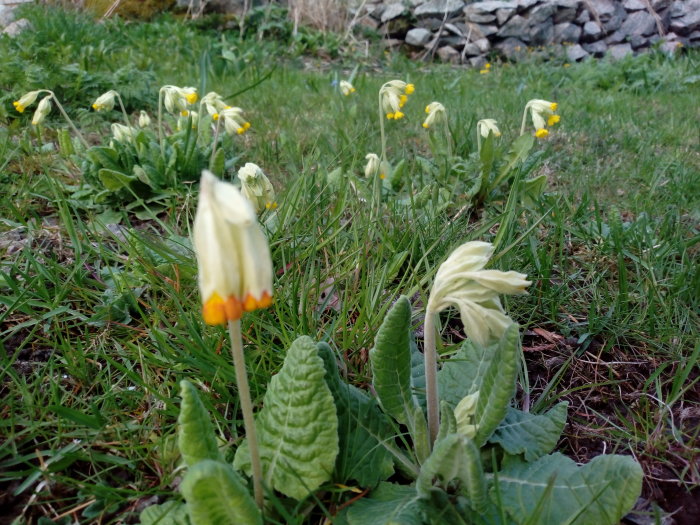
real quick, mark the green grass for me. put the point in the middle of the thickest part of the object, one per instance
(98, 325)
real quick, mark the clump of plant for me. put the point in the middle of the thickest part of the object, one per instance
(451, 438)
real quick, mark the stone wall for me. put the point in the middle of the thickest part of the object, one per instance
(469, 32)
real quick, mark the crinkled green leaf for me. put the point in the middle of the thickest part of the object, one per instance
(532, 435)
(388, 504)
(497, 385)
(114, 180)
(215, 495)
(421, 438)
(298, 426)
(519, 150)
(169, 513)
(448, 422)
(391, 362)
(461, 374)
(364, 431)
(455, 457)
(532, 189)
(554, 490)
(196, 438)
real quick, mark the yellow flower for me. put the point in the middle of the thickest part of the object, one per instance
(176, 99)
(43, 109)
(461, 281)
(486, 126)
(393, 96)
(256, 187)
(539, 109)
(484, 71)
(235, 268)
(234, 121)
(25, 101)
(436, 114)
(346, 88)
(541, 133)
(553, 119)
(214, 104)
(190, 94)
(105, 102)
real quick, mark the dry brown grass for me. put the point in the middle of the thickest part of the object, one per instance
(325, 15)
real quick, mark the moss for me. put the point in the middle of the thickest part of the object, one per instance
(134, 9)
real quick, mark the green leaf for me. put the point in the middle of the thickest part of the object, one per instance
(389, 504)
(532, 189)
(518, 152)
(532, 435)
(497, 385)
(396, 178)
(448, 422)
(114, 180)
(215, 494)
(298, 426)
(95, 422)
(391, 363)
(486, 158)
(364, 431)
(217, 163)
(196, 438)
(168, 513)
(421, 438)
(554, 490)
(417, 374)
(455, 458)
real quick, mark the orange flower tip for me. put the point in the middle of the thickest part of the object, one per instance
(214, 310)
(234, 309)
(265, 300)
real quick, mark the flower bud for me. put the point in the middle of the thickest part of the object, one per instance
(256, 187)
(43, 109)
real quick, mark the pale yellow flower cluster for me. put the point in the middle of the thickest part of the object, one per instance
(393, 96)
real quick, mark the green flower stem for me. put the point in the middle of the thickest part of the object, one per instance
(160, 123)
(478, 140)
(216, 140)
(234, 331)
(431, 389)
(522, 126)
(65, 116)
(121, 105)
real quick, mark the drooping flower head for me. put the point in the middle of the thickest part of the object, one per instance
(214, 104)
(436, 115)
(43, 109)
(346, 88)
(234, 122)
(372, 166)
(393, 96)
(542, 115)
(235, 268)
(144, 119)
(461, 281)
(26, 100)
(256, 187)
(176, 99)
(486, 126)
(122, 133)
(105, 102)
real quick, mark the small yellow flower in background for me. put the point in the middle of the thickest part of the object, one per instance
(144, 119)
(43, 109)
(486, 69)
(372, 166)
(234, 121)
(436, 114)
(122, 133)
(486, 126)
(105, 102)
(25, 101)
(235, 268)
(393, 96)
(346, 88)
(567, 64)
(539, 109)
(256, 187)
(461, 281)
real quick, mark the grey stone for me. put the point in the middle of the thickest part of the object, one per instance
(15, 28)
(542, 34)
(453, 40)
(431, 23)
(591, 31)
(454, 29)
(471, 50)
(448, 54)
(567, 32)
(634, 5)
(583, 17)
(489, 6)
(524, 5)
(688, 21)
(7, 15)
(605, 9)
(518, 26)
(503, 15)
(392, 11)
(483, 44)
(478, 62)
(541, 13)
(637, 41)
(568, 4)
(567, 14)
(620, 51)
(575, 53)
(638, 23)
(669, 47)
(596, 48)
(480, 18)
(511, 48)
(418, 37)
(617, 18)
(694, 36)
(616, 38)
(476, 31)
(439, 7)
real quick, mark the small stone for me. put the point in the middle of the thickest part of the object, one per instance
(567, 14)
(478, 62)
(596, 48)
(454, 29)
(616, 38)
(518, 26)
(511, 48)
(567, 32)
(637, 41)
(542, 34)
(418, 37)
(583, 17)
(503, 15)
(638, 23)
(591, 31)
(524, 5)
(670, 47)
(7, 15)
(483, 44)
(489, 6)
(694, 36)
(634, 5)
(481, 18)
(433, 24)
(620, 51)
(689, 21)
(476, 31)
(439, 7)
(541, 13)
(392, 11)
(16, 27)
(575, 53)
(471, 50)
(448, 54)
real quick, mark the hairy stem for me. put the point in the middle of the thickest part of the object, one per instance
(431, 389)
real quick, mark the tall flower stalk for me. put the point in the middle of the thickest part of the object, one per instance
(29, 98)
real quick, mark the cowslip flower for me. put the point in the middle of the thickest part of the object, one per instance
(539, 109)
(105, 102)
(486, 126)
(43, 109)
(436, 115)
(393, 96)
(461, 281)
(256, 187)
(372, 166)
(234, 121)
(26, 100)
(235, 268)
(185, 116)
(144, 119)
(346, 88)
(214, 104)
(176, 99)
(122, 133)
